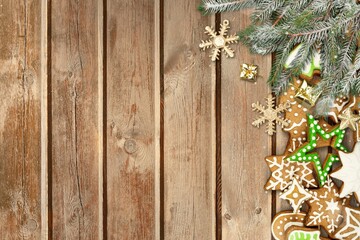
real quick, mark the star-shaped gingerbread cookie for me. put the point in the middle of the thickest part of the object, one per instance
(284, 171)
(349, 173)
(327, 208)
(305, 152)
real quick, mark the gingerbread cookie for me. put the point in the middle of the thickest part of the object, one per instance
(310, 69)
(349, 173)
(337, 107)
(297, 119)
(305, 154)
(296, 195)
(350, 228)
(296, 116)
(284, 171)
(283, 221)
(327, 208)
(303, 233)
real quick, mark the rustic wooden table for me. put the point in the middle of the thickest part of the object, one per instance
(114, 125)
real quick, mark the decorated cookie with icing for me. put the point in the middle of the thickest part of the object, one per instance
(296, 194)
(349, 173)
(337, 107)
(350, 228)
(297, 118)
(305, 152)
(284, 171)
(283, 221)
(326, 208)
(303, 233)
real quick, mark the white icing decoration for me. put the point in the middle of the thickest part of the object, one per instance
(349, 172)
(303, 120)
(352, 225)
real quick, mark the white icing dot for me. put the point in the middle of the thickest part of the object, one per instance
(296, 114)
(303, 133)
(305, 109)
(291, 97)
(292, 88)
(285, 93)
(295, 195)
(296, 132)
(299, 106)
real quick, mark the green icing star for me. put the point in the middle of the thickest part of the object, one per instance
(304, 153)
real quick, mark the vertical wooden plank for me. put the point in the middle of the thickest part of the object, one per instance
(20, 134)
(130, 125)
(189, 125)
(44, 60)
(246, 207)
(75, 121)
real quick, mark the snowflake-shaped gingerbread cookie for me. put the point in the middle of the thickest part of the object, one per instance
(283, 172)
(219, 41)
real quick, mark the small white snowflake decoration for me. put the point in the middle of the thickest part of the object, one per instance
(270, 113)
(219, 41)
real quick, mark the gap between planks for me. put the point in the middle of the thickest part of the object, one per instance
(159, 119)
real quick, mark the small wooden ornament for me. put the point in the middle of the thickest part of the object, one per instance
(248, 72)
(219, 41)
(305, 96)
(270, 114)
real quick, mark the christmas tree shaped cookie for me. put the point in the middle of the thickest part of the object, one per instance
(305, 152)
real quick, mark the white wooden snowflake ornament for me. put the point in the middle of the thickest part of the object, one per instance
(219, 41)
(270, 113)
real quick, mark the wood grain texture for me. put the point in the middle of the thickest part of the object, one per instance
(246, 207)
(75, 138)
(20, 84)
(130, 124)
(189, 125)
(282, 139)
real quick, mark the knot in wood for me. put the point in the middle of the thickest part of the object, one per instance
(130, 146)
(227, 216)
(258, 210)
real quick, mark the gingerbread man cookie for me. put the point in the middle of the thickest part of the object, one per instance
(297, 118)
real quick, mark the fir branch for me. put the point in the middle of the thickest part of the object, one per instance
(217, 6)
(280, 25)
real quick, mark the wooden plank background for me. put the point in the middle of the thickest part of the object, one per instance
(114, 125)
